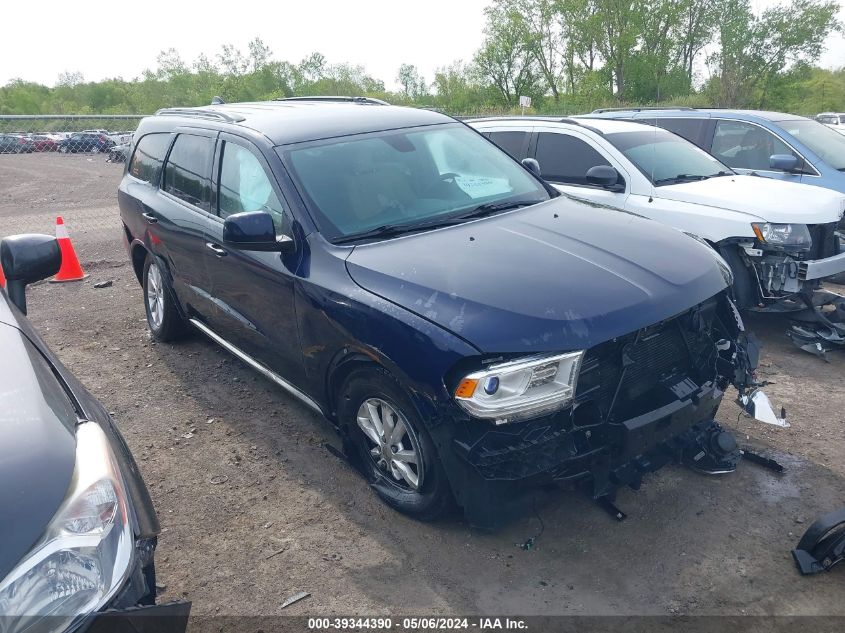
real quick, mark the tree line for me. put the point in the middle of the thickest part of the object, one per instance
(567, 55)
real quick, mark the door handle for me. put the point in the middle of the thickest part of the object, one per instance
(216, 249)
(150, 218)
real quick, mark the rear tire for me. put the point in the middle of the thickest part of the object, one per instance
(163, 318)
(398, 459)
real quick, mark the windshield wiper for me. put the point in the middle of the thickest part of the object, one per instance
(492, 207)
(680, 178)
(393, 230)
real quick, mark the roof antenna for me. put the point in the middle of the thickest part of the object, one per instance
(653, 160)
(654, 144)
(215, 100)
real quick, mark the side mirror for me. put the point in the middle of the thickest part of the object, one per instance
(254, 231)
(531, 165)
(603, 176)
(783, 162)
(26, 259)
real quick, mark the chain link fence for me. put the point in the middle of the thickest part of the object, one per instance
(69, 166)
(68, 134)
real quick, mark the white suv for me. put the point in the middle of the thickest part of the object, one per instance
(776, 236)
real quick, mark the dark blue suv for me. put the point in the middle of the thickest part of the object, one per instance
(469, 331)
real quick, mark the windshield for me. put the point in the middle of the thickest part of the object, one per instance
(405, 178)
(827, 144)
(665, 158)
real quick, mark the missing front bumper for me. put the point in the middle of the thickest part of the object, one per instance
(171, 617)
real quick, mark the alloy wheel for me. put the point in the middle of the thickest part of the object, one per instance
(393, 444)
(155, 296)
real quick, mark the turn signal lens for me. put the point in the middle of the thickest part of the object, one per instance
(466, 388)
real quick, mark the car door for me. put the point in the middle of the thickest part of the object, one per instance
(253, 291)
(178, 215)
(565, 156)
(746, 147)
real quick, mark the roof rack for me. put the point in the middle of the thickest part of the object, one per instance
(640, 109)
(202, 113)
(336, 99)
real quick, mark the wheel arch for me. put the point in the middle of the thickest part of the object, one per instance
(138, 254)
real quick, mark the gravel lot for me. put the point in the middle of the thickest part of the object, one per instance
(254, 507)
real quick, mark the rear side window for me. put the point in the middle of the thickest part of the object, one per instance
(187, 174)
(690, 129)
(148, 157)
(566, 159)
(513, 142)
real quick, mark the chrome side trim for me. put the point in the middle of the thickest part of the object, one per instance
(259, 367)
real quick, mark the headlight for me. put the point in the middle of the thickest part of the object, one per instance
(84, 555)
(783, 234)
(521, 389)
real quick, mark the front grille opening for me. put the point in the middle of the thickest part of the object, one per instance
(663, 361)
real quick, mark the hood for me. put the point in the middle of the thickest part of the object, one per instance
(766, 199)
(561, 275)
(37, 446)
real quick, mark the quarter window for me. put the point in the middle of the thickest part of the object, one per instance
(513, 142)
(148, 157)
(187, 174)
(245, 186)
(746, 146)
(566, 159)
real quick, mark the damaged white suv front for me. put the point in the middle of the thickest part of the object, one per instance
(780, 239)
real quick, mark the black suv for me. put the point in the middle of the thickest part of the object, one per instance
(470, 331)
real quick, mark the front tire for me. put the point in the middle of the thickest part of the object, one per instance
(392, 446)
(163, 318)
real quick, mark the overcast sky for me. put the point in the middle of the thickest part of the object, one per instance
(120, 39)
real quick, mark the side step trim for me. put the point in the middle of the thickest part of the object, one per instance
(259, 367)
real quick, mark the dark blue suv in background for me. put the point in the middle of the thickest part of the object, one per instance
(469, 331)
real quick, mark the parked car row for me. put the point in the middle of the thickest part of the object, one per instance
(67, 142)
(834, 120)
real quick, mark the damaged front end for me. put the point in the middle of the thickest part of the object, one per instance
(788, 263)
(643, 400)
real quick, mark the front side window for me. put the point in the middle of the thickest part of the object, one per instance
(827, 144)
(187, 174)
(148, 157)
(566, 159)
(403, 178)
(245, 186)
(747, 146)
(665, 158)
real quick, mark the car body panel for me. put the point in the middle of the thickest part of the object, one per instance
(37, 447)
(577, 275)
(146, 521)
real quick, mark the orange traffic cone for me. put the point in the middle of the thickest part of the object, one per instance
(70, 270)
